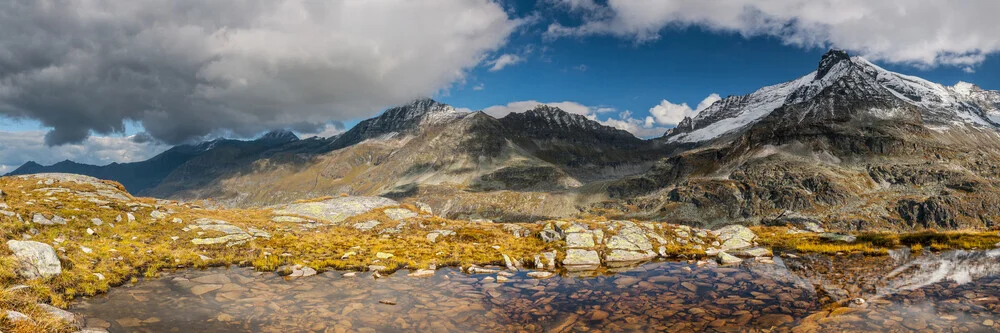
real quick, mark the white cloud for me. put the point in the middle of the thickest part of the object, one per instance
(921, 32)
(640, 127)
(503, 61)
(667, 113)
(479, 87)
(188, 68)
(16, 148)
(324, 132)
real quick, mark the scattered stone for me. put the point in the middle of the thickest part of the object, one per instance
(753, 252)
(348, 254)
(550, 258)
(383, 255)
(63, 315)
(422, 273)
(350, 274)
(288, 219)
(86, 249)
(549, 234)
(727, 259)
(366, 226)
(35, 259)
(157, 215)
(177, 220)
(90, 231)
(540, 275)
(837, 237)
(131, 218)
(41, 219)
(96, 221)
(517, 230)
(398, 214)
(509, 263)
(14, 316)
(433, 235)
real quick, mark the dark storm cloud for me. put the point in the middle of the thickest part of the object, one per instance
(186, 69)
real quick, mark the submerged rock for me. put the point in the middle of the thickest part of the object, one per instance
(35, 259)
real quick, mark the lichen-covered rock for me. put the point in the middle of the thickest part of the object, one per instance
(734, 237)
(41, 219)
(752, 252)
(433, 235)
(397, 214)
(630, 237)
(337, 209)
(549, 234)
(727, 259)
(579, 240)
(835, 237)
(616, 256)
(35, 259)
(63, 315)
(365, 226)
(579, 257)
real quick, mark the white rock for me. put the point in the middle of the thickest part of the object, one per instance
(35, 259)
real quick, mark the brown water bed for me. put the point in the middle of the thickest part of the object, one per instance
(955, 291)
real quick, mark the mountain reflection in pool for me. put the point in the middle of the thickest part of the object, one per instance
(660, 296)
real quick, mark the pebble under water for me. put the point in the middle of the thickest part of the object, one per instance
(955, 291)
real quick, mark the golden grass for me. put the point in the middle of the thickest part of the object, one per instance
(877, 243)
(121, 252)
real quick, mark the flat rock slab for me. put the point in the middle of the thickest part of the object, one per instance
(734, 237)
(580, 240)
(578, 257)
(35, 259)
(337, 209)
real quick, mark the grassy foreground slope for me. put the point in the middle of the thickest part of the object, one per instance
(102, 237)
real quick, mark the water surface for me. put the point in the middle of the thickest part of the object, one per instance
(956, 291)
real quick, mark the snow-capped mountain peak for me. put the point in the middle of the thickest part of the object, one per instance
(963, 103)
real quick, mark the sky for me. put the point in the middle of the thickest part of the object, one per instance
(102, 81)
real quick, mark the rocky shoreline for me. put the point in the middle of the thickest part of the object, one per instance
(72, 236)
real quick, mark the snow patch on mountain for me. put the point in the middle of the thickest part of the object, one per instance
(962, 104)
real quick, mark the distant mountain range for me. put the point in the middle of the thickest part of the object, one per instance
(850, 144)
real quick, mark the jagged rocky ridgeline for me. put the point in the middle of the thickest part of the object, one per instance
(849, 146)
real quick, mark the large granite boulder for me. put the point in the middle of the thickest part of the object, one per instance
(35, 260)
(734, 237)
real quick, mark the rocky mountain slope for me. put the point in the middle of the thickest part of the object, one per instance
(850, 145)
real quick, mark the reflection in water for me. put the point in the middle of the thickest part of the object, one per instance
(958, 266)
(921, 294)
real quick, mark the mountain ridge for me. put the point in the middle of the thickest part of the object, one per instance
(849, 145)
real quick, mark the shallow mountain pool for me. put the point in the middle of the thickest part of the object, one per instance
(792, 294)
